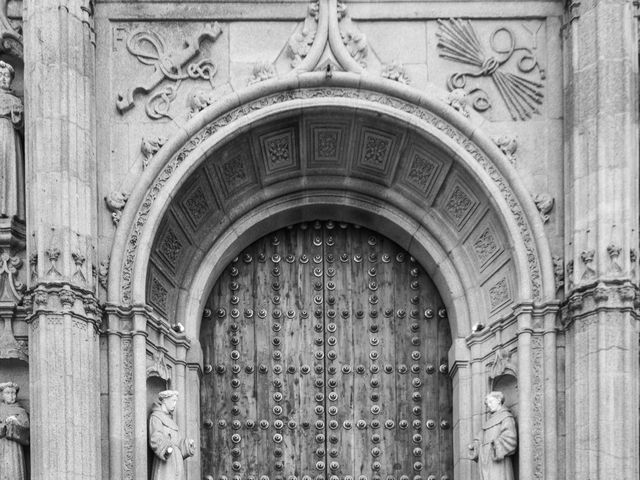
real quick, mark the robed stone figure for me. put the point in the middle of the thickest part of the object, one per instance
(14, 434)
(11, 157)
(496, 442)
(169, 448)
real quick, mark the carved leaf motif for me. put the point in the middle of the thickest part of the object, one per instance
(233, 172)
(278, 151)
(327, 144)
(421, 172)
(376, 150)
(196, 205)
(499, 294)
(485, 246)
(458, 204)
(170, 247)
(159, 294)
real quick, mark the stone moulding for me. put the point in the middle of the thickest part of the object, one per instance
(293, 92)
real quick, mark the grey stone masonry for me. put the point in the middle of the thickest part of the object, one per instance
(61, 210)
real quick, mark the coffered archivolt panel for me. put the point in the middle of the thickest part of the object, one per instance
(407, 169)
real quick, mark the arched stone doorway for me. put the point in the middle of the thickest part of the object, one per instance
(376, 154)
(326, 355)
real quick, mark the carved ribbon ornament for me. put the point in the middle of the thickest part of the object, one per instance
(459, 42)
(149, 48)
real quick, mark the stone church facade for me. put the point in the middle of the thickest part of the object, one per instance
(332, 226)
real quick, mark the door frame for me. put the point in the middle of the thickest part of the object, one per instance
(526, 330)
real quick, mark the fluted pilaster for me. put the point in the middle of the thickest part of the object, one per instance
(61, 233)
(601, 184)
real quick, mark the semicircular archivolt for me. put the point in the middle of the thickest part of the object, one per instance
(336, 150)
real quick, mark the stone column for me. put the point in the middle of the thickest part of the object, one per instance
(61, 232)
(601, 232)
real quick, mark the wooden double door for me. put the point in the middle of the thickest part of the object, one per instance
(326, 358)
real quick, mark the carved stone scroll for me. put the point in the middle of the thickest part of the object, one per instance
(521, 92)
(149, 48)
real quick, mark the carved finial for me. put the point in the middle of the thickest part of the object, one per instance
(457, 98)
(558, 271)
(614, 252)
(149, 147)
(397, 72)
(53, 253)
(79, 260)
(262, 71)
(508, 144)
(587, 257)
(544, 204)
(103, 273)
(115, 203)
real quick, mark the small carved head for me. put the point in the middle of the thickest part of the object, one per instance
(168, 399)
(9, 392)
(7, 73)
(494, 400)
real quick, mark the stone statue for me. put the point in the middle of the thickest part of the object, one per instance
(11, 158)
(169, 447)
(497, 441)
(14, 434)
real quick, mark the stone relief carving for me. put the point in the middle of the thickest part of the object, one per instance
(345, 92)
(499, 294)
(520, 92)
(79, 260)
(544, 203)
(33, 267)
(508, 145)
(11, 289)
(300, 42)
(587, 258)
(149, 48)
(352, 37)
(570, 274)
(485, 246)
(10, 348)
(496, 443)
(537, 351)
(14, 433)
(11, 151)
(149, 147)
(614, 253)
(396, 72)
(261, 71)
(502, 364)
(633, 258)
(199, 100)
(457, 99)
(115, 203)
(10, 33)
(558, 271)
(169, 447)
(159, 367)
(53, 253)
(103, 273)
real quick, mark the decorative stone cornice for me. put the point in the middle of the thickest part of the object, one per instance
(62, 299)
(608, 295)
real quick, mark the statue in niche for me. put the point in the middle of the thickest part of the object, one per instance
(497, 441)
(169, 448)
(11, 158)
(14, 434)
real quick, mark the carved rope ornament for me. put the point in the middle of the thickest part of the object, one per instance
(149, 48)
(459, 42)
